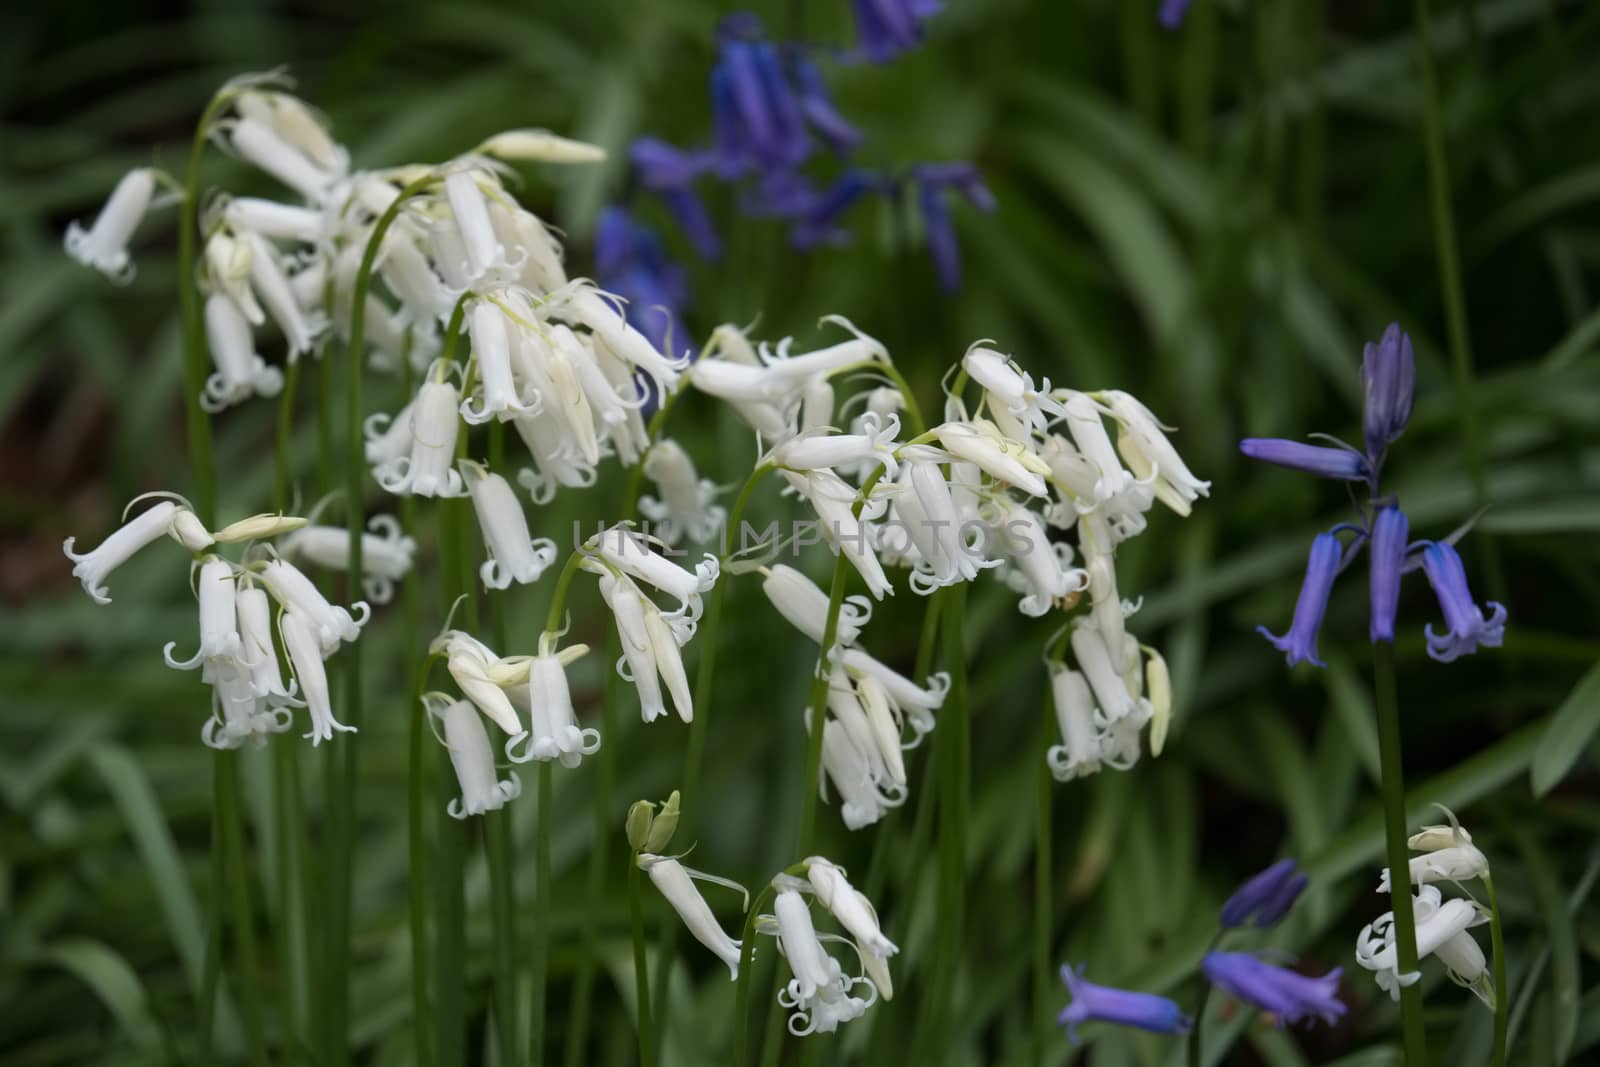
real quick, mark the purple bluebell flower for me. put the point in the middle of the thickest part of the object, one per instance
(1268, 896)
(1345, 464)
(669, 172)
(1098, 1003)
(1290, 997)
(757, 118)
(1300, 642)
(1467, 626)
(630, 262)
(780, 194)
(820, 224)
(931, 180)
(1387, 556)
(1172, 12)
(817, 105)
(885, 28)
(1388, 379)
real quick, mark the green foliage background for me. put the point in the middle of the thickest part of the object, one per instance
(1213, 219)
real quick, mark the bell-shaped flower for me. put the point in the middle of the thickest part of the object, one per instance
(979, 442)
(1288, 996)
(1079, 751)
(684, 506)
(270, 218)
(909, 699)
(271, 286)
(406, 271)
(863, 801)
(1467, 627)
(219, 618)
(1344, 464)
(629, 552)
(470, 211)
(331, 624)
(805, 606)
(471, 663)
(1267, 896)
(589, 306)
(1098, 1003)
(1088, 429)
(791, 372)
(387, 437)
(514, 555)
(557, 459)
(833, 500)
(240, 372)
(305, 651)
(258, 144)
(1458, 863)
(1388, 380)
(651, 647)
(298, 125)
(824, 450)
(497, 396)
(1010, 389)
(820, 993)
(1299, 642)
(258, 653)
(676, 883)
(816, 413)
(1043, 568)
(1441, 930)
(553, 732)
(427, 470)
(881, 751)
(386, 553)
(93, 568)
(1106, 607)
(472, 757)
(1117, 702)
(1386, 553)
(104, 245)
(238, 714)
(1142, 442)
(854, 912)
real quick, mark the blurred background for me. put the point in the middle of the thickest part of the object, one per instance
(1214, 218)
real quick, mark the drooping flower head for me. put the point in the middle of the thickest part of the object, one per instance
(1289, 996)
(1267, 896)
(1098, 1003)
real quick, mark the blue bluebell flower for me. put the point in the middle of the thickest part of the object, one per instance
(1172, 12)
(669, 172)
(757, 117)
(1467, 627)
(1388, 380)
(931, 181)
(820, 223)
(1267, 896)
(1322, 566)
(885, 28)
(1387, 557)
(817, 105)
(1345, 464)
(780, 194)
(1098, 1003)
(631, 262)
(1290, 997)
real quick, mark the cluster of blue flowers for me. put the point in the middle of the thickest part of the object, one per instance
(1388, 377)
(1289, 997)
(771, 112)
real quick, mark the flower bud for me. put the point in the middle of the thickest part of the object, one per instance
(641, 816)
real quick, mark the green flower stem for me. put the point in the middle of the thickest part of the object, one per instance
(502, 908)
(422, 1041)
(1502, 992)
(558, 601)
(449, 891)
(913, 420)
(226, 786)
(1394, 811)
(539, 958)
(641, 968)
(741, 1012)
(1043, 894)
(283, 488)
(195, 361)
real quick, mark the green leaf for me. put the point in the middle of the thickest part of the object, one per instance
(1559, 926)
(112, 980)
(1568, 734)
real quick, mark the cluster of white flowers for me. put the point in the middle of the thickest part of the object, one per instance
(1448, 855)
(237, 655)
(822, 993)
